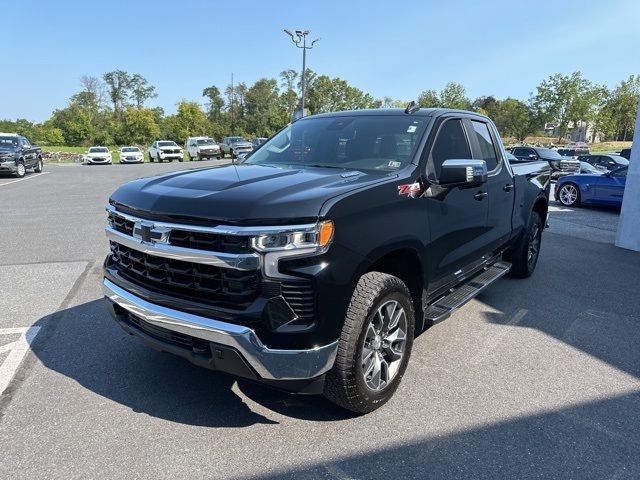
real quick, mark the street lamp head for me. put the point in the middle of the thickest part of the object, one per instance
(288, 32)
(299, 33)
(315, 41)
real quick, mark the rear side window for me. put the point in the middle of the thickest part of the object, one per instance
(487, 150)
(451, 143)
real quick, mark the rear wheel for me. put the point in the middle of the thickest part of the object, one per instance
(569, 195)
(524, 254)
(374, 346)
(39, 166)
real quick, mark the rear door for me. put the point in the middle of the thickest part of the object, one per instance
(457, 215)
(499, 186)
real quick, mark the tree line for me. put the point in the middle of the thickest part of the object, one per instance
(112, 110)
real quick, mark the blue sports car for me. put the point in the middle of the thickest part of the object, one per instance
(606, 189)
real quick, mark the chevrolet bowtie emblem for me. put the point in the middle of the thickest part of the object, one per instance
(149, 233)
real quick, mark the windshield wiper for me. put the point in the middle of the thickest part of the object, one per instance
(321, 165)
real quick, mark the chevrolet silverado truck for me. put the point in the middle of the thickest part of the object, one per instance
(162, 150)
(17, 154)
(235, 146)
(313, 264)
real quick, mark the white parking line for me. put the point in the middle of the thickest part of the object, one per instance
(17, 351)
(24, 178)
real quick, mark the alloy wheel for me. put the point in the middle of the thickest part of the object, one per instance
(568, 194)
(384, 344)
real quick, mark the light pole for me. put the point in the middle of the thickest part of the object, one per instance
(300, 40)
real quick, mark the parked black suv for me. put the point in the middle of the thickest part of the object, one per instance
(313, 264)
(17, 155)
(605, 162)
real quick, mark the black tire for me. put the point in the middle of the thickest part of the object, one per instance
(190, 157)
(571, 194)
(39, 166)
(218, 157)
(524, 254)
(231, 153)
(21, 170)
(345, 383)
(150, 159)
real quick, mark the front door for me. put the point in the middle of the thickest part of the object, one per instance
(457, 215)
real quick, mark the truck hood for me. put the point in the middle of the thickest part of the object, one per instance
(241, 194)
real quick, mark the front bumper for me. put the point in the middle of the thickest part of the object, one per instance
(164, 155)
(8, 166)
(98, 161)
(220, 343)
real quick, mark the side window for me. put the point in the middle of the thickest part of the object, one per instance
(25, 142)
(487, 149)
(451, 143)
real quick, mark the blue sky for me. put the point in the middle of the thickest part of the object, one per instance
(391, 48)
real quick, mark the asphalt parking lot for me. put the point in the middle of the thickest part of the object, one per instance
(536, 378)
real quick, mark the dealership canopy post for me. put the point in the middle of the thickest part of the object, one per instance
(629, 225)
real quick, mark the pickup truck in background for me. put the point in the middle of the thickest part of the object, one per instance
(162, 150)
(234, 146)
(312, 265)
(202, 147)
(560, 165)
(17, 154)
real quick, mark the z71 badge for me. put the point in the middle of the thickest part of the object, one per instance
(412, 190)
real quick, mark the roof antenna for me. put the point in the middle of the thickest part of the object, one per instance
(413, 107)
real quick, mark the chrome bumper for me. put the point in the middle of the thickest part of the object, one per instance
(269, 364)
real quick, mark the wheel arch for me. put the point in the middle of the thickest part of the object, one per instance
(406, 263)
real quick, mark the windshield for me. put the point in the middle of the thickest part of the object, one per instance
(549, 154)
(130, 149)
(8, 142)
(98, 150)
(362, 142)
(235, 140)
(619, 160)
(167, 144)
(205, 141)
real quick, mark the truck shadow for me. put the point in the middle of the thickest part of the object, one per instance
(83, 343)
(584, 441)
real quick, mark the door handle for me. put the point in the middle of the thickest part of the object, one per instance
(480, 195)
(508, 187)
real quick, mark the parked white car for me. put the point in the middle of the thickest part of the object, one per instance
(131, 155)
(161, 150)
(202, 147)
(97, 156)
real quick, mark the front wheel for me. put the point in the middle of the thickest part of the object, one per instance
(569, 195)
(39, 166)
(374, 346)
(20, 170)
(524, 254)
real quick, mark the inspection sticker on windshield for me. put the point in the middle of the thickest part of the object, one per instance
(394, 164)
(412, 128)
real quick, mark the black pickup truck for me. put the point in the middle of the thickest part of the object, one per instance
(17, 154)
(313, 264)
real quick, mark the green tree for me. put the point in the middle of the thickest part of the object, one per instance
(119, 88)
(454, 95)
(75, 124)
(327, 94)
(429, 99)
(561, 98)
(513, 118)
(138, 127)
(622, 107)
(189, 121)
(141, 90)
(263, 113)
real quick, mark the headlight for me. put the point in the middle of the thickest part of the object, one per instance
(316, 239)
